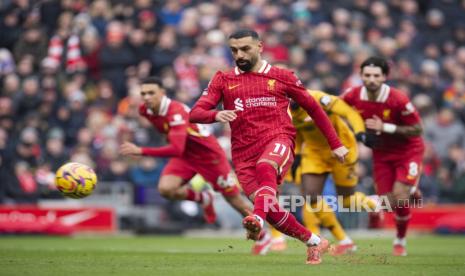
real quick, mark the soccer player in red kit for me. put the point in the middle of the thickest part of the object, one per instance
(256, 102)
(192, 150)
(398, 147)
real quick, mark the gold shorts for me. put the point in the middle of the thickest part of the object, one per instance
(316, 161)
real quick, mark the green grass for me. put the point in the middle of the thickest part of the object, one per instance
(428, 255)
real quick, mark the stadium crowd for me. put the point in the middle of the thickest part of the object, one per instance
(70, 70)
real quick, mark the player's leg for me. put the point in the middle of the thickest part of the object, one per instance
(385, 177)
(222, 179)
(311, 221)
(407, 177)
(359, 201)
(312, 186)
(171, 186)
(407, 173)
(270, 169)
(279, 242)
(400, 202)
(263, 243)
(346, 179)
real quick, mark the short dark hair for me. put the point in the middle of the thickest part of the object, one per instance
(244, 33)
(378, 62)
(153, 80)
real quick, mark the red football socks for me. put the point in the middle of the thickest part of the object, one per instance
(402, 219)
(267, 207)
(266, 194)
(286, 223)
(193, 195)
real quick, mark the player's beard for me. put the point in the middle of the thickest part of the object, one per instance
(246, 65)
(372, 88)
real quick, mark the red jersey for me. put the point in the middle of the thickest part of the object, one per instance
(394, 107)
(186, 140)
(261, 100)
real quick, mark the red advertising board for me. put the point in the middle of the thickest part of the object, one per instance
(56, 220)
(432, 217)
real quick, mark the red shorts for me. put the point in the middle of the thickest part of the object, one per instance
(220, 175)
(406, 170)
(280, 150)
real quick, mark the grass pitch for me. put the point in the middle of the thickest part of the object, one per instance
(37, 255)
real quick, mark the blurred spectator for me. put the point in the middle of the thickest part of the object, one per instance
(32, 42)
(7, 63)
(29, 99)
(55, 154)
(452, 175)
(64, 50)
(144, 177)
(117, 171)
(444, 132)
(165, 51)
(429, 184)
(10, 24)
(116, 57)
(19, 183)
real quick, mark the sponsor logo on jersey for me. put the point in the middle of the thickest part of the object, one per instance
(325, 100)
(231, 87)
(261, 101)
(238, 104)
(255, 102)
(308, 119)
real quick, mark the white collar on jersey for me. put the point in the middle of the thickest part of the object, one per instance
(382, 96)
(264, 69)
(164, 105)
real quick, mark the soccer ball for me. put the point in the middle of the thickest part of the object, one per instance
(75, 180)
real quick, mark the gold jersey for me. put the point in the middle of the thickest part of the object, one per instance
(342, 116)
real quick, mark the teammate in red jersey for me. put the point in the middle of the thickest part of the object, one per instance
(256, 102)
(398, 148)
(192, 150)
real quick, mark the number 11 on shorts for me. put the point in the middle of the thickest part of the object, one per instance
(279, 149)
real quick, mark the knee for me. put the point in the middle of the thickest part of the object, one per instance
(400, 194)
(399, 198)
(311, 193)
(312, 196)
(166, 191)
(345, 192)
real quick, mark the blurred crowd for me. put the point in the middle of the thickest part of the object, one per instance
(70, 70)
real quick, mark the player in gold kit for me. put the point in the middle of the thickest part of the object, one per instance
(317, 162)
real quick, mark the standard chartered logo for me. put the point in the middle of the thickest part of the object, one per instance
(238, 104)
(255, 102)
(260, 101)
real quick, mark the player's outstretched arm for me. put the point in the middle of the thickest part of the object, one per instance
(175, 148)
(128, 148)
